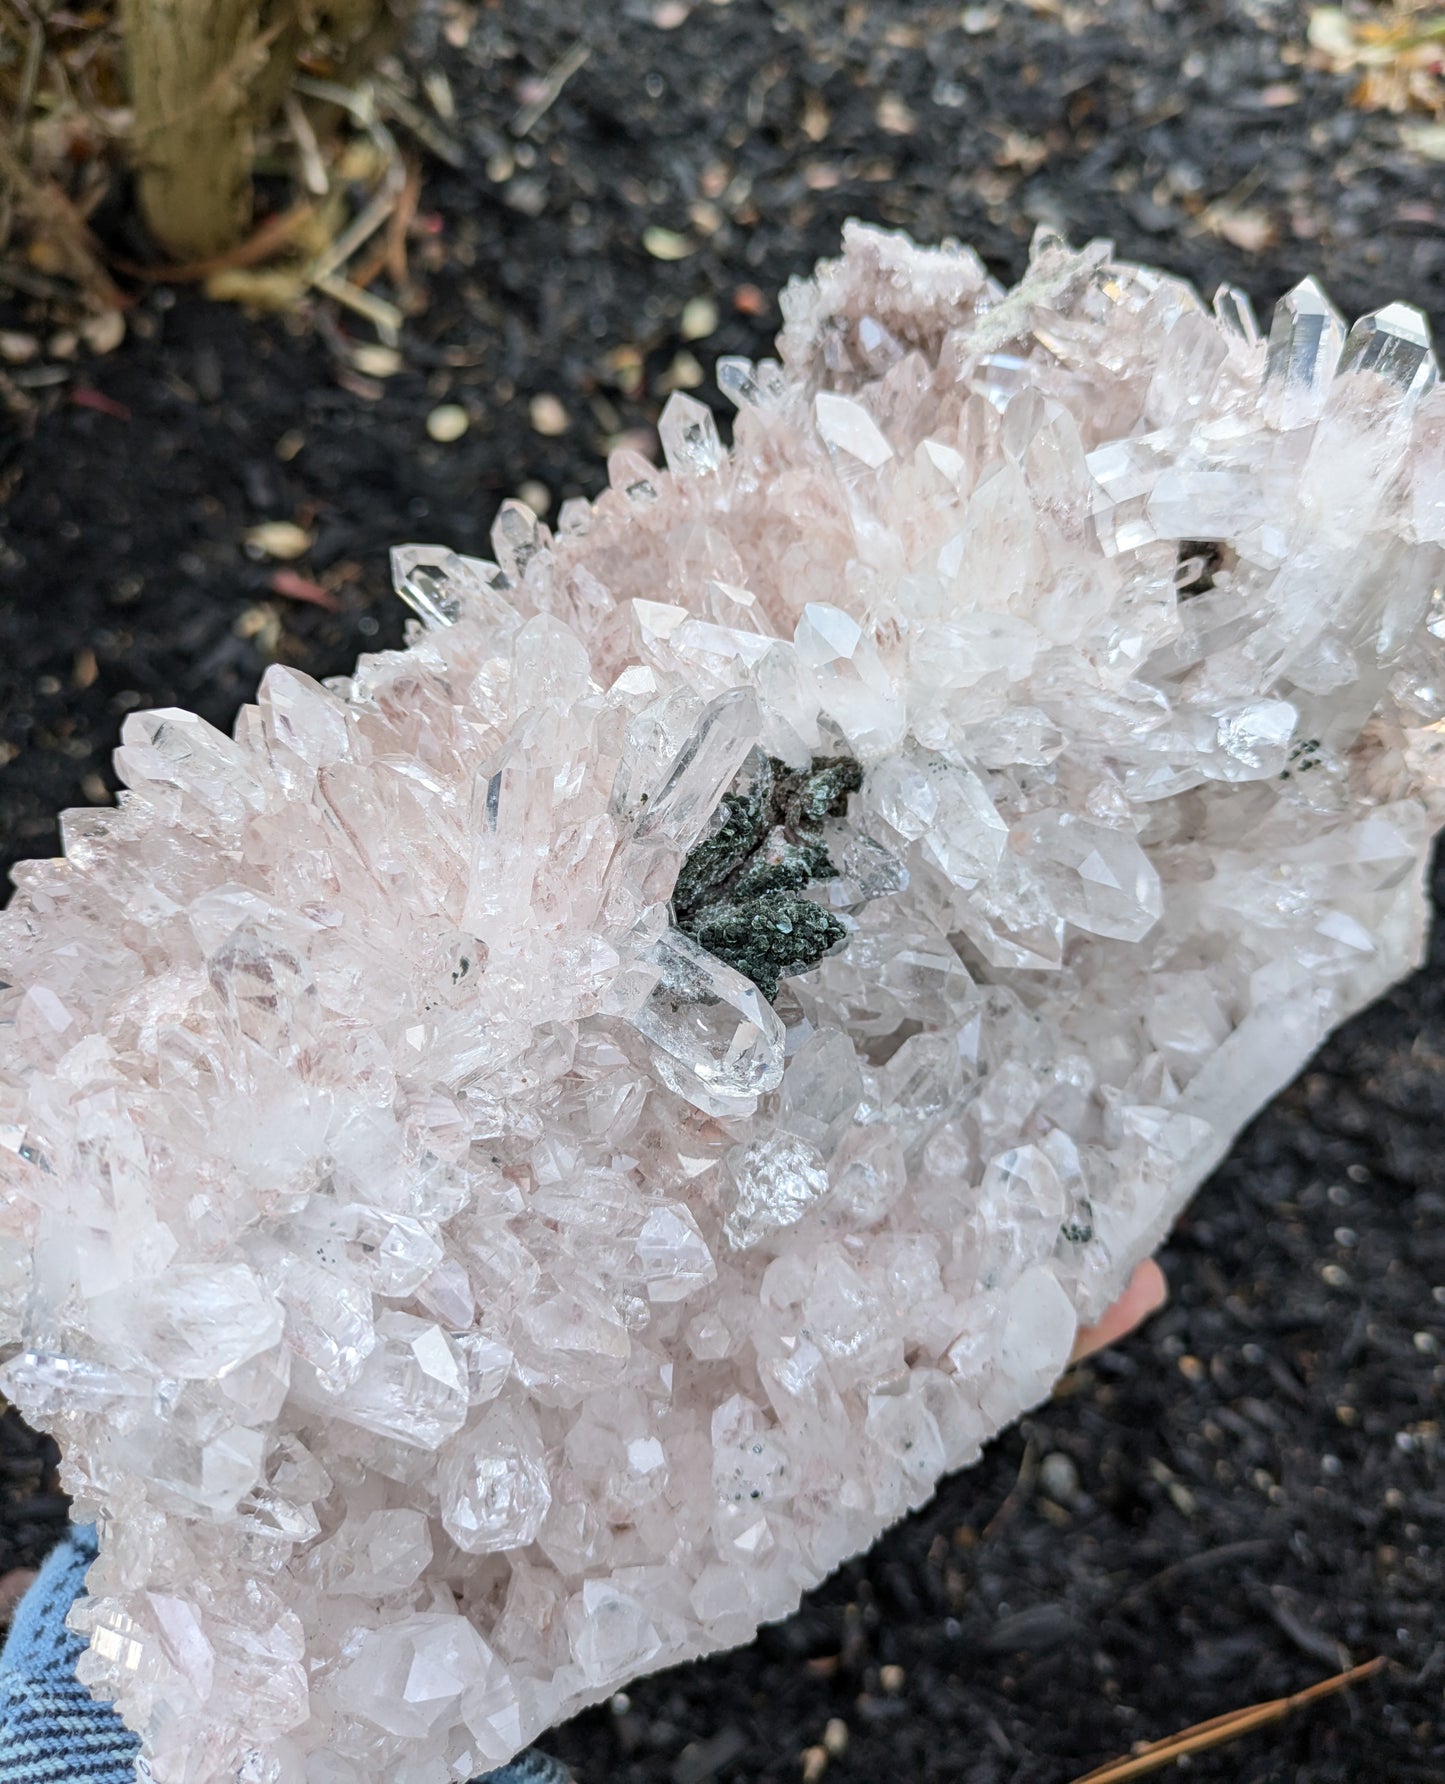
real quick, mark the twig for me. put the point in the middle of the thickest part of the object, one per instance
(1219, 1729)
(426, 130)
(29, 80)
(361, 229)
(49, 207)
(1254, 1548)
(33, 284)
(20, 129)
(401, 222)
(1028, 1468)
(271, 238)
(385, 318)
(562, 70)
(358, 102)
(389, 255)
(313, 167)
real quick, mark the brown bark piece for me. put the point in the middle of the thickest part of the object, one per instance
(191, 66)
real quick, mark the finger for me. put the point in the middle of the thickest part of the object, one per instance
(1147, 1292)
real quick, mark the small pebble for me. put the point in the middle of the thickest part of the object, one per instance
(278, 539)
(1058, 1478)
(549, 417)
(536, 495)
(684, 373)
(891, 1679)
(815, 1763)
(447, 422)
(104, 332)
(666, 244)
(895, 116)
(377, 361)
(699, 318)
(835, 1737)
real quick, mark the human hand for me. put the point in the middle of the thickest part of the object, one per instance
(1147, 1292)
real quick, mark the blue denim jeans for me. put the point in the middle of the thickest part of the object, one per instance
(52, 1731)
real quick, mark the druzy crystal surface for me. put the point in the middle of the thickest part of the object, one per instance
(458, 1290)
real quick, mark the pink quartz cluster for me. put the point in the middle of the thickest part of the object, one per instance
(454, 1290)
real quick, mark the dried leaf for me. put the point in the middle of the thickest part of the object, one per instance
(1251, 230)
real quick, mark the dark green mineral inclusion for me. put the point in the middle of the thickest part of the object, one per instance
(741, 891)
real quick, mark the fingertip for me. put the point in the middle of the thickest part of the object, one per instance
(1152, 1286)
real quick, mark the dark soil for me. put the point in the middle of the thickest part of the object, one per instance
(1243, 1498)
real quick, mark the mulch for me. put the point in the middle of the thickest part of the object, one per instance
(1247, 1496)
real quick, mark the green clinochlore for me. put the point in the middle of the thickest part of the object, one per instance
(741, 893)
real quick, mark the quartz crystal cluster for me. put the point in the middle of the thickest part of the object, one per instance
(455, 1286)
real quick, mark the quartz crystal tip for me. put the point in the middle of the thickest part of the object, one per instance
(1394, 344)
(1306, 337)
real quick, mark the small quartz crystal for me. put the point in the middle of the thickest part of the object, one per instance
(518, 1161)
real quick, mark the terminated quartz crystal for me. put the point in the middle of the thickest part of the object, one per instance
(456, 1289)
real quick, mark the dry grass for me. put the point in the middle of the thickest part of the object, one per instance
(61, 89)
(68, 136)
(1219, 1729)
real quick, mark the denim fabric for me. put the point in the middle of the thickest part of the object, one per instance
(52, 1731)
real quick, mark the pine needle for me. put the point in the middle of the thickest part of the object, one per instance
(1219, 1729)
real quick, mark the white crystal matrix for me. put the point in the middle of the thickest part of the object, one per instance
(455, 1291)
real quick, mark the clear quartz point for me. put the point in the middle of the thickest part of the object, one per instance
(411, 1387)
(493, 1486)
(44, 1384)
(717, 1036)
(517, 537)
(848, 427)
(776, 1182)
(689, 437)
(702, 770)
(440, 586)
(1097, 878)
(1306, 337)
(759, 388)
(1235, 313)
(1394, 344)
